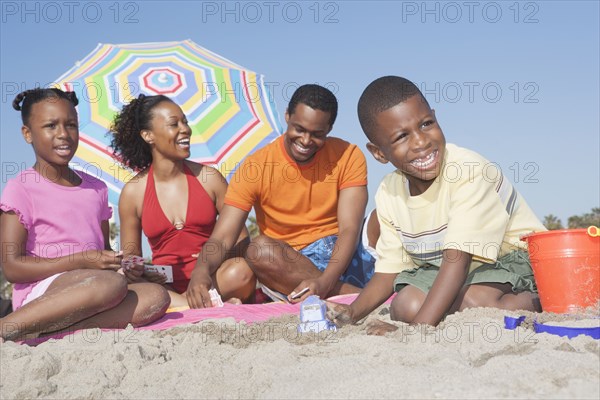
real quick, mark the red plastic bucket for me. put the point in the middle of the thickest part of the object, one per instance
(566, 267)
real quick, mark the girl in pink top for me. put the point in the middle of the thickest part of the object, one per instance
(54, 228)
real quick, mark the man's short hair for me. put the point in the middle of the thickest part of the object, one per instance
(316, 97)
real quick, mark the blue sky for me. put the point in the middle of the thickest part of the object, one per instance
(517, 82)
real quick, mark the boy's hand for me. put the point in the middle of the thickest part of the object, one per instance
(380, 328)
(339, 314)
(197, 291)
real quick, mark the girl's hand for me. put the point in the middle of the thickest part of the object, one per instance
(103, 259)
(130, 277)
(155, 277)
(133, 272)
(133, 266)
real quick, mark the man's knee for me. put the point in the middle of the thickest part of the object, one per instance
(239, 271)
(260, 253)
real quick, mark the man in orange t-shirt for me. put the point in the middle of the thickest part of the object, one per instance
(309, 192)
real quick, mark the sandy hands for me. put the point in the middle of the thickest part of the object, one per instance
(380, 328)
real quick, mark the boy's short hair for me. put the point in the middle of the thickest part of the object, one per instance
(382, 94)
(316, 97)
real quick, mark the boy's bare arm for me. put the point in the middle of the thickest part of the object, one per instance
(446, 286)
(377, 291)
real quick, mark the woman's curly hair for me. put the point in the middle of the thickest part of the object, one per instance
(127, 143)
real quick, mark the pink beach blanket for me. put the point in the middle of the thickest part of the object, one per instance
(248, 313)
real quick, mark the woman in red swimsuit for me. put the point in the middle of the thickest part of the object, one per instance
(174, 201)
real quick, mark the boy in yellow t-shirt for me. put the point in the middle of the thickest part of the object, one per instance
(309, 194)
(450, 221)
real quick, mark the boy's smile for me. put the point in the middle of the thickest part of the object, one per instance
(408, 136)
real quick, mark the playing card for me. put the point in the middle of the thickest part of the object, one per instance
(166, 270)
(215, 298)
(129, 261)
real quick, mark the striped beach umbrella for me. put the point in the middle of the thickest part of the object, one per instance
(228, 107)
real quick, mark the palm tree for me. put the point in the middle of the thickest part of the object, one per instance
(252, 227)
(113, 231)
(552, 222)
(585, 220)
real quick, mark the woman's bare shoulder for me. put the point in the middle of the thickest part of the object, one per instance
(205, 173)
(136, 185)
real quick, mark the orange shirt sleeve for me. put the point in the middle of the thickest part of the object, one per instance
(243, 188)
(354, 172)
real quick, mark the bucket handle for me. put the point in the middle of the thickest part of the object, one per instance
(593, 231)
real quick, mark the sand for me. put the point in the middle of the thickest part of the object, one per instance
(469, 356)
